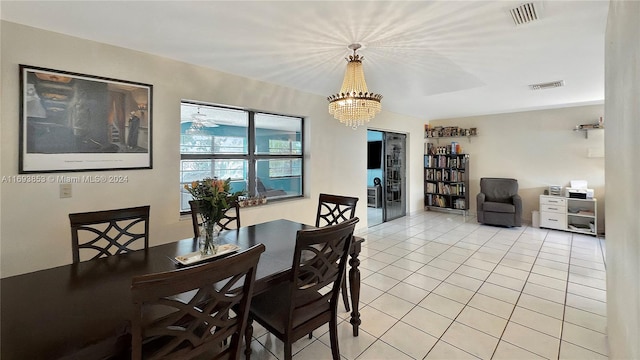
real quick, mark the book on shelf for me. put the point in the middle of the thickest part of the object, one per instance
(430, 174)
(457, 189)
(455, 176)
(436, 200)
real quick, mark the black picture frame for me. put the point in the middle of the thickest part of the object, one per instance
(77, 122)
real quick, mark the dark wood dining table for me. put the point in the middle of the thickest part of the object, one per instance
(83, 310)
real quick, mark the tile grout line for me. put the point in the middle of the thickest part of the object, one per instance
(492, 271)
(476, 292)
(379, 338)
(566, 295)
(430, 292)
(465, 305)
(484, 244)
(564, 310)
(518, 300)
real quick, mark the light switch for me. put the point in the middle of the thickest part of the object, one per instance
(65, 191)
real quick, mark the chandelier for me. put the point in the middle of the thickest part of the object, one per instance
(198, 124)
(354, 104)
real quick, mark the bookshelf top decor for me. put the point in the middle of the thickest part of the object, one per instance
(448, 131)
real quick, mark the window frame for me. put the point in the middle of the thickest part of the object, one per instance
(290, 160)
(252, 156)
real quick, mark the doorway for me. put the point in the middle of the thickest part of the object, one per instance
(386, 176)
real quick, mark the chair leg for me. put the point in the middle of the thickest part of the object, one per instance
(248, 334)
(311, 335)
(345, 293)
(333, 338)
(288, 352)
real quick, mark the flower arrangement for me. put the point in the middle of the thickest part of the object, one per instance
(214, 197)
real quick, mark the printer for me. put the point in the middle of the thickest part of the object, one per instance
(579, 190)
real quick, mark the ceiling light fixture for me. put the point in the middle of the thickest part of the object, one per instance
(354, 104)
(524, 14)
(198, 123)
(548, 85)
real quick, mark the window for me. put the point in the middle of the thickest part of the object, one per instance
(261, 153)
(285, 168)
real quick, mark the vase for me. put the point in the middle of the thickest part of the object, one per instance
(208, 238)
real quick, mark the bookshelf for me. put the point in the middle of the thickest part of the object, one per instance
(446, 182)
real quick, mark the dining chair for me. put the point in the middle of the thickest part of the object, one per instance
(231, 219)
(295, 308)
(196, 309)
(332, 210)
(109, 232)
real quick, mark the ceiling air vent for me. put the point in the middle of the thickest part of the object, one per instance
(548, 85)
(524, 13)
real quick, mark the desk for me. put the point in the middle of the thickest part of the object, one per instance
(83, 310)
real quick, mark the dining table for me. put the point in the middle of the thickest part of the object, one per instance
(83, 310)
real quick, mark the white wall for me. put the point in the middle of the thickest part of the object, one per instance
(34, 226)
(622, 94)
(539, 148)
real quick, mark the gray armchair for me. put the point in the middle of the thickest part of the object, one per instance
(498, 202)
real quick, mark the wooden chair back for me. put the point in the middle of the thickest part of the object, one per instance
(231, 219)
(320, 259)
(334, 209)
(109, 232)
(189, 312)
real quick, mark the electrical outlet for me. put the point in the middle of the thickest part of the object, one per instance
(65, 191)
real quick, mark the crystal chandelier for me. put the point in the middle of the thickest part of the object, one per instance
(197, 124)
(354, 104)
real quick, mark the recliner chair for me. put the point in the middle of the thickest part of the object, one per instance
(498, 202)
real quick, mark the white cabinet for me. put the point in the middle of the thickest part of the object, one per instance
(569, 214)
(582, 215)
(553, 212)
(374, 198)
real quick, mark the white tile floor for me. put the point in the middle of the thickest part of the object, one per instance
(441, 286)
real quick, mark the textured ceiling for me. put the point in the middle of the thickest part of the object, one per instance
(429, 59)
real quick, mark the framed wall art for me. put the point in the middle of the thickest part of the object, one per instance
(77, 122)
